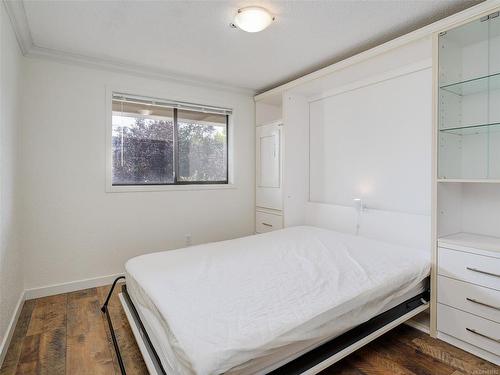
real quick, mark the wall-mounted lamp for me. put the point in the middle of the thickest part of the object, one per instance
(358, 205)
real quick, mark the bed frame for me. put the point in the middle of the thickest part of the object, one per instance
(309, 363)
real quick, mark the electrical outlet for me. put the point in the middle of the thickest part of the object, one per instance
(188, 240)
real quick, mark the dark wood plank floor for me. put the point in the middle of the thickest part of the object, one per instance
(67, 334)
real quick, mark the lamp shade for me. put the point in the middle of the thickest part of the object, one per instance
(253, 19)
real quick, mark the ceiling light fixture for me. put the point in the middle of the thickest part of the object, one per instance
(252, 19)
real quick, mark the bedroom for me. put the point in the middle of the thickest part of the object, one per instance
(273, 209)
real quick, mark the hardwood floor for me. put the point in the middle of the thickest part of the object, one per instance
(68, 334)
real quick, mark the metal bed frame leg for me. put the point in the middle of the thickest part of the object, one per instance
(105, 310)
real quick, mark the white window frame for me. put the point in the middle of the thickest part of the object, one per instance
(110, 188)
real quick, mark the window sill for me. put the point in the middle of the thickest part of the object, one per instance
(152, 188)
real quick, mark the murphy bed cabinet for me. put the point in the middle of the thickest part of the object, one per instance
(468, 187)
(462, 227)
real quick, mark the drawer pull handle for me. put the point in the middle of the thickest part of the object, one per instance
(267, 225)
(483, 272)
(482, 335)
(482, 303)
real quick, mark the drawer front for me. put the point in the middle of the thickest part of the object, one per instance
(265, 222)
(472, 329)
(477, 269)
(468, 297)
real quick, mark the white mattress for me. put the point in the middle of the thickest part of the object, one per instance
(246, 305)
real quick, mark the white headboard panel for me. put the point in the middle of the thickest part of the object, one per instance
(395, 227)
(363, 132)
(329, 216)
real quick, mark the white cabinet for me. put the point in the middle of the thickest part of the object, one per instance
(269, 164)
(471, 298)
(471, 329)
(468, 295)
(471, 268)
(269, 190)
(267, 221)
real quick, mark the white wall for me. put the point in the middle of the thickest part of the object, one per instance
(73, 229)
(266, 113)
(11, 280)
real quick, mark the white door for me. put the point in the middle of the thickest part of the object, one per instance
(268, 162)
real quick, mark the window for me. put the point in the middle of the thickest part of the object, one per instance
(157, 142)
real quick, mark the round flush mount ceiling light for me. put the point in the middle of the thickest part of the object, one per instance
(252, 19)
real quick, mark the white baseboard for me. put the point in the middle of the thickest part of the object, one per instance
(11, 327)
(71, 286)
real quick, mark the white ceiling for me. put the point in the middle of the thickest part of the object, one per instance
(192, 39)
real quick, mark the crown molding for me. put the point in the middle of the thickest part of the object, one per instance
(449, 22)
(17, 14)
(127, 67)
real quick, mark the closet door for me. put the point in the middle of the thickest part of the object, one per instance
(268, 163)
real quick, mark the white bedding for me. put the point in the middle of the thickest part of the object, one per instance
(236, 306)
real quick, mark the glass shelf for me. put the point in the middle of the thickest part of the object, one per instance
(469, 93)
(474, 86)
(472, 129)
(469, 180)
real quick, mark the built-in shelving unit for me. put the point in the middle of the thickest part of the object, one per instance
(469, 97)
(468, 190)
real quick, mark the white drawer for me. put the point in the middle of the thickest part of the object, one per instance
(266, 222)
(472, 298)
(473, 268)
(472, 329)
